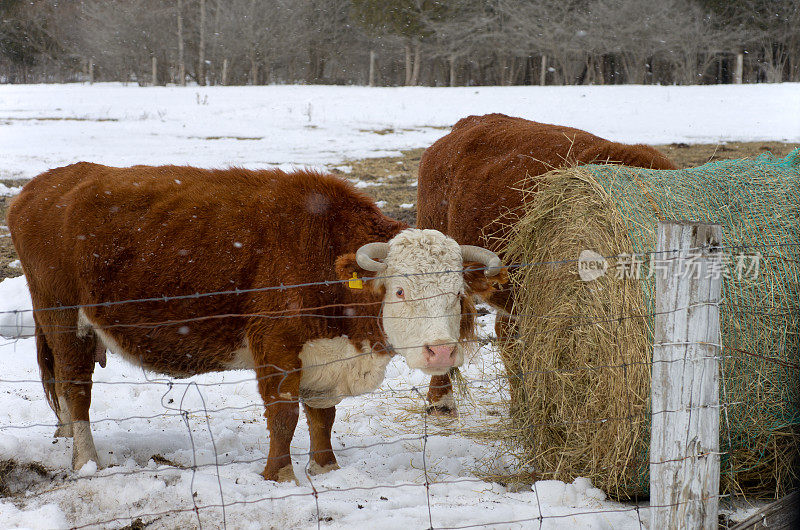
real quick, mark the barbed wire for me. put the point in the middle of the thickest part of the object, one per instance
(187, 413)
(479, 341)
(328, 283)
(316, 491)
(297, 313)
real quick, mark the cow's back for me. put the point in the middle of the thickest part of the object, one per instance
(473, 175)
(129, 232)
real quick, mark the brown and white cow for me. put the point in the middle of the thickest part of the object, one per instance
(475, 174)
(92, 238)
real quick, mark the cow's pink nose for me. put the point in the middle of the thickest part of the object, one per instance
(439, 355)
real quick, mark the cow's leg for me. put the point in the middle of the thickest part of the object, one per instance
(73, 365)
(76, 394)
(440, 397)
(282, 411)
(45, 357)
(279, 386)
(47, 366)
(320, 424)
(64, 428)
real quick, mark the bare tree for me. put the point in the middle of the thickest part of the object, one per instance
(400, 41)
(693, 39)
(469, 28)
(554, 28)
(112, 35)
(201, 59)
(772, 26)
(36, 38)
(181, 58)
(635, 42)
(401, 18)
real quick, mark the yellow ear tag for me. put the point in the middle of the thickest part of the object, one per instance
(355, 282)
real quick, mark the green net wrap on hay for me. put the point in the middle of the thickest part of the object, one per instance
(579, 372)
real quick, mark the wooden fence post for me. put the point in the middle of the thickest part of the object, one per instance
(543, 71)
(684, 440)
(372, 58)
(738, 71)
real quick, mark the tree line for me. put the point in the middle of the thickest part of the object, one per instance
(400, 42)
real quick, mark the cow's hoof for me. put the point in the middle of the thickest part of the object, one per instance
(78, 463)
(81, 457)
(64, 430)
(83, 445)
(284, 474)
(316, 469)
(442, 411)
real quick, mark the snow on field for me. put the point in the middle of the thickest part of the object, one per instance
(143, 422)
(9, 190)
(16, 317)
(52, 125)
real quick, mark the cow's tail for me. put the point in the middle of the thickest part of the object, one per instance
(46, 359)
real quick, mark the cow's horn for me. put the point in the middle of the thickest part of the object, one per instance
(481, 255)
(366, 256)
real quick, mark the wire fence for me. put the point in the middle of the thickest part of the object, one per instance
(212, 514)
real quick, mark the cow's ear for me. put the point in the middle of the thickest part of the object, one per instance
(478, 283)
(347, 268)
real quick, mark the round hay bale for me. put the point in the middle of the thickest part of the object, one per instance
(579, 371)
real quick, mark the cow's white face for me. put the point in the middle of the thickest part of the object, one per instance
(422, 304)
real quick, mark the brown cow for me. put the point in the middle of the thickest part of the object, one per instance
(471, 177)
(111, 248)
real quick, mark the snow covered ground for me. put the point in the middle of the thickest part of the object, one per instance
(215, 422)
(378, 439)
(46, 126)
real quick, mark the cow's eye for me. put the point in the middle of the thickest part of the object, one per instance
(400, 294)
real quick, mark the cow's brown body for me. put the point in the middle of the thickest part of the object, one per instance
(89, 234)
(474, 175)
